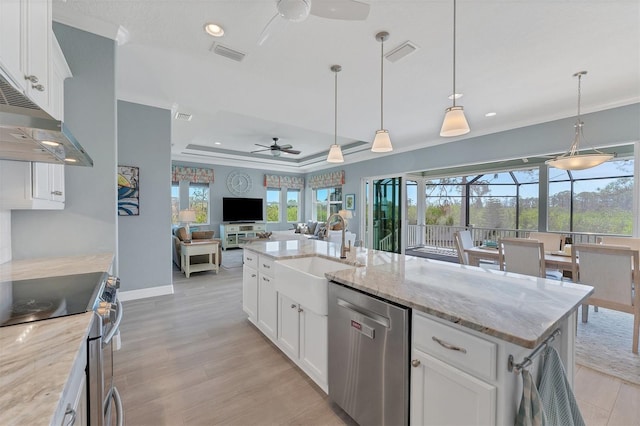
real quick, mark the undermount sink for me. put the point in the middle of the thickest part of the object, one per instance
(303, 280)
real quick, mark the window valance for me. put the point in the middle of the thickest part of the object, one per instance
(290, 182)
(327, 180)
(191, 174)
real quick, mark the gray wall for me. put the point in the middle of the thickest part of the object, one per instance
(88, 222)
(218, 190)
(144, 241)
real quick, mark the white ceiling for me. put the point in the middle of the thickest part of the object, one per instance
(514, 57)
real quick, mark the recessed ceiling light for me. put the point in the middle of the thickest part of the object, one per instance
(456, 96)
(491, 114)
(50, 143)
(217, 143)
(214, 30)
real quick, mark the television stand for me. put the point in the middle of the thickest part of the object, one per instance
(231, 233)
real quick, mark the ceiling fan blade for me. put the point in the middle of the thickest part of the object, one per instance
(287, 146)
(264, 146)
(261, 150)
(349, 10)
(290, 151)
(274, 26)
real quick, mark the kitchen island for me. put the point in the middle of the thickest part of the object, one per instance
(42, 363)
(497, 315)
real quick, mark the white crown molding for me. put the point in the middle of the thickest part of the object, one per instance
(92, 25)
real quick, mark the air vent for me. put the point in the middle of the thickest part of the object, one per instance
(183, 116)
(227, 52)
(10, 96)
(401, 51)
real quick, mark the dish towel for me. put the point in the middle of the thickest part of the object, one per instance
(530, 412)
(559, 403)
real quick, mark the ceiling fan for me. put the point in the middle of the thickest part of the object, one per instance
(277, 149)
(298, 10)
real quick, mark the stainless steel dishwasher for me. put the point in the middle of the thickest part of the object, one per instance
(368, 357)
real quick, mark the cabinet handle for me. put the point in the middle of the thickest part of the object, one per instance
(293, 306)
(249, 258)
(31, 78)
(253, 275)
(38, 87)
(72, 412)
(300, 310)
(415, 363)
(264, 265)
(265, 279)
(448, 345)
(56, 192)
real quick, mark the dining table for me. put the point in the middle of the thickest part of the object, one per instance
(553, 260)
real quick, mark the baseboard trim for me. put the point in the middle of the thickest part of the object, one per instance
(143, 293)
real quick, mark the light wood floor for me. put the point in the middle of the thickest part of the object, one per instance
(192, 358)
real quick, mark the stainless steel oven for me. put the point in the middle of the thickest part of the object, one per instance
(105, 404)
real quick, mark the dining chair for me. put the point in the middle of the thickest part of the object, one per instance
(632, 243)
(609, 269)
(521, 255)
(463, 241)
(551, 241)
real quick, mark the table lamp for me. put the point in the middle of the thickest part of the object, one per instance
(345, 214)
(187, 216)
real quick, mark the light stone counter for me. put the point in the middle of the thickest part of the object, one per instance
(516, 308)
(37, 358)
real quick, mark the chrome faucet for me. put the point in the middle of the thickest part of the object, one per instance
(343, 248)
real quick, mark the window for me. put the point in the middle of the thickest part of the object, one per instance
(326, 201)
(273, 205)
(445, 201)
(293, 205)
(175, 202)
(199, 201)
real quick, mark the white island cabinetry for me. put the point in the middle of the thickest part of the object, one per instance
(250, 285)
(267, 298)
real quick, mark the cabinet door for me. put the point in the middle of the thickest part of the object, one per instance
(38, 46)
(250, 292)
(11, 40)
(313, 343)
(444, 395)
(288, 326)
(40, 181)
(267, 306)
(56, 177)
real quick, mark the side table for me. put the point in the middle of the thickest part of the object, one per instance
(194, 248)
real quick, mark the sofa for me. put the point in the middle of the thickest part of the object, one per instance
(180, 234)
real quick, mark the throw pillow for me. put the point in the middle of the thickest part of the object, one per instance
(202, 235)
(312, 226)
(181, 233)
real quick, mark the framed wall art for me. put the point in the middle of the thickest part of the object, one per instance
(128, 191)
(350, 201)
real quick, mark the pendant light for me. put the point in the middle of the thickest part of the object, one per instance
(455, 123)
(335, 153)
(572, 159)
(382, 141)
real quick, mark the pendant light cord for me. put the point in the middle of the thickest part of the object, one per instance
(335, 128)
(454, 53)
(381, 84)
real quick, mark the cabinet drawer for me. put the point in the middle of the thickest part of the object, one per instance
(456, 347)
(250, 259)
(266, 265)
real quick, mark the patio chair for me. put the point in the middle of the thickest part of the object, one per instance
(551, 242)
(522, 256)
(632, 243)
(463, 241)
(610, 270)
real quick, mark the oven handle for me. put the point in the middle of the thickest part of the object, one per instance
(107, 339)
(119, 409)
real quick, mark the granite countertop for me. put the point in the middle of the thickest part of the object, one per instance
(520, 309)
(37, 358)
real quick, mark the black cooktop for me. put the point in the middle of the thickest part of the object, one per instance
(25, 301)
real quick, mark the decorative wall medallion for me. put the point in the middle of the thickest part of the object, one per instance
(238, 183)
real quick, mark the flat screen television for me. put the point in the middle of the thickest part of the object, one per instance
(242, 209)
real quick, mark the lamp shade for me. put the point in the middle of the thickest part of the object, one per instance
(187, 216)
(382, 142)
(335, 154)
(455, 123)
(578, 161)
(346, 214)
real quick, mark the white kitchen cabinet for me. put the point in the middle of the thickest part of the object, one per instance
(72, 408)
(250, 292)
(29, 54)
(302, 335)
(31, 186)
(267, 299)
(442, 394)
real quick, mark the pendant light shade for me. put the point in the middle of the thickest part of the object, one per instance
(382, 141)
(455, 123)
(572, 159)
(335, 152)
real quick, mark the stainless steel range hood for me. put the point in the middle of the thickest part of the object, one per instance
(27, 133)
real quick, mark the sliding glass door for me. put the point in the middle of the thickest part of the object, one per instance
(384, 214)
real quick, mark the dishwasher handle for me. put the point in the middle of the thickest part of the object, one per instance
(379, 319)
